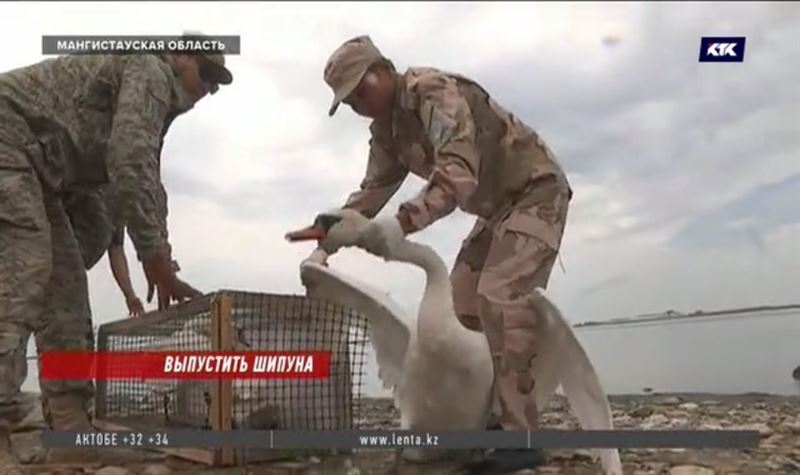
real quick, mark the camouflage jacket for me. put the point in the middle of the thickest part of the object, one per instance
(446, 129)
(94, 120)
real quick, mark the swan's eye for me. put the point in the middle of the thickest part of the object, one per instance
(327, 221)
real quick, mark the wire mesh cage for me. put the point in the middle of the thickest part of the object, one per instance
(238, 321)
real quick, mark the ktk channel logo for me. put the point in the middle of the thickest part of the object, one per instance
(716, 49)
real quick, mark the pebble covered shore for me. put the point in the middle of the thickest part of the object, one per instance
(776, 418)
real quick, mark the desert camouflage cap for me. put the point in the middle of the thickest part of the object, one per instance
(347, 66)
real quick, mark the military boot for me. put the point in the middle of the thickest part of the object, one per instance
(9, 465)
(102, 456)
(67, 412)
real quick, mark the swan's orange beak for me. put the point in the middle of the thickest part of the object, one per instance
(314, 232)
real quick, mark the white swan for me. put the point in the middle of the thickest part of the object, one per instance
(441, 372)
(428, 365)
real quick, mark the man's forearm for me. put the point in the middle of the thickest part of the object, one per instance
(120, 271)
(370, 201)
(432, 204)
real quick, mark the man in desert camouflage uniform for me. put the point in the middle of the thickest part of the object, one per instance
(75, 124)
(482, 159)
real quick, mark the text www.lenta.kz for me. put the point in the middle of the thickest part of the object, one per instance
(399, 440)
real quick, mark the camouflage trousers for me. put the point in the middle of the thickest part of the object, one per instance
(501, 262)
(43, 286)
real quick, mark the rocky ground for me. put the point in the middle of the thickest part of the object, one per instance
(776, 418)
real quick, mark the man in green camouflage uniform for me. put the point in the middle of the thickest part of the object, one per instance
(98, 233)
(74, 124)
(478, 157)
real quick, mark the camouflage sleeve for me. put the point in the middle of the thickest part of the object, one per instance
(133, 162)
(448, 123)
(383, 178)
(163, 210)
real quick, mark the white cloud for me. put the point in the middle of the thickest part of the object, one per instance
(651, 139)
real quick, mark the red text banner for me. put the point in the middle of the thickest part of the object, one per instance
(71, 365)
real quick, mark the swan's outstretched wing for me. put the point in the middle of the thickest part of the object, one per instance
(563, 360)
(388, 325)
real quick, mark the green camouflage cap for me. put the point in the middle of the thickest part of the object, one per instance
(214, 68)
(347, 66)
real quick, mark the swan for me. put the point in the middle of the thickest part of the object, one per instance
(441, 372)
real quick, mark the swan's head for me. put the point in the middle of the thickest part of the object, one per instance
(334, 230)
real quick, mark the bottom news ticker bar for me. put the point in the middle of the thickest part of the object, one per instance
(375, 439)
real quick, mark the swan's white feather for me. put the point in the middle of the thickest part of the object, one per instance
(388, 325)
(563, 360)
(416, 371)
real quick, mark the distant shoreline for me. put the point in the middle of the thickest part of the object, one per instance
(700, 398)
(661, 397)
(735, 398)
(671, 315)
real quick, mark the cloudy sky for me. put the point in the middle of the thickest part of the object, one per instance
(686, 175)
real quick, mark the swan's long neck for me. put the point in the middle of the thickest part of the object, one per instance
(436, 308)
(422, 256)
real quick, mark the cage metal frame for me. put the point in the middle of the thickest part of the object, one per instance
(221, 404)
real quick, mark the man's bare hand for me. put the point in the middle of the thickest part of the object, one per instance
(185, 292)
(405, 221)
(135, 307)
(160, 273)
(161, 278)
